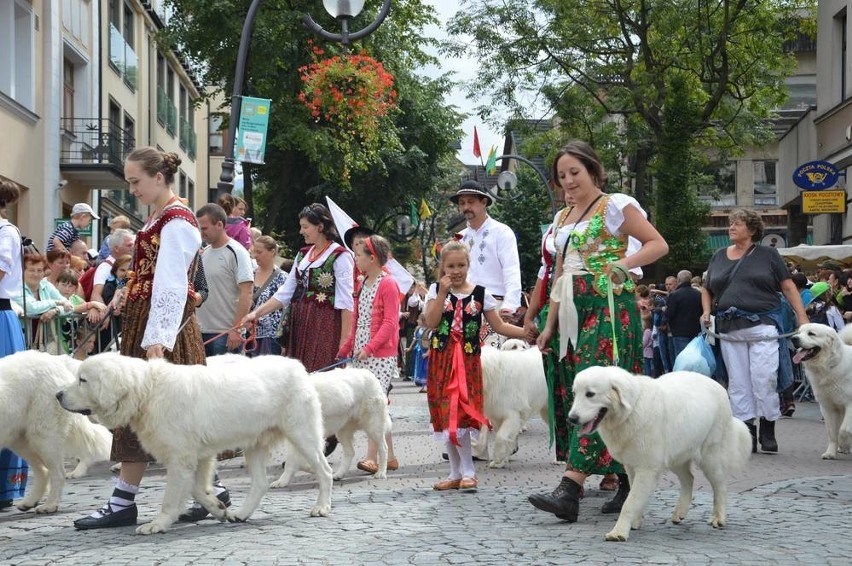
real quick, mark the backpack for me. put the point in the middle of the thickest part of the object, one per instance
(87, 280)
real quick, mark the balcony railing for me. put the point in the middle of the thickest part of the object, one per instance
(171, 118)
(95, 141)
(122, 58)
(162, 106)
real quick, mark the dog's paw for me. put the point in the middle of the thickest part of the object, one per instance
(829, 455)
(234, 517)
(26, 505)
(616, 536)
(717, 522)
(154, 526)
(278, 483)
(677, 518)
(46, 508)
(321, 511)
(380, 476)
(496, 464)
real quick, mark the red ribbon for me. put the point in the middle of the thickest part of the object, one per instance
(456, 389)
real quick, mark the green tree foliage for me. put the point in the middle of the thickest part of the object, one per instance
(525, 213)
(593, 62)
(419, 134)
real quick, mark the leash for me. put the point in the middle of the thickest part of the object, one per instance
(249, 342)
(757, 339)
(335, 364)
(610, 297)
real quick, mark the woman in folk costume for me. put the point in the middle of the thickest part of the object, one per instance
(593, 305)
(318, 291)
(13, 468)
(455, 307)
(159, 312)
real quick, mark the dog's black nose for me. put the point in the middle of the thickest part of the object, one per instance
(59, 396)
(573, 420)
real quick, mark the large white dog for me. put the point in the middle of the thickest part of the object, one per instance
(651, 425)
(185, 415)
(352, 400)
(34, 426)
(514, 390)
(827, 359)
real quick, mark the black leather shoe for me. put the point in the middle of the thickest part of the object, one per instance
(564, 502)
(197, 512)
(109, 518)
(6, 503)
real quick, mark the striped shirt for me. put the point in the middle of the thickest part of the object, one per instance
(66, 233)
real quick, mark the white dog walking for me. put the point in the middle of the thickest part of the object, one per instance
(185, 415)
(514, 389)
(827, 358)
(34, 426)
(351, 399)
(651, 425)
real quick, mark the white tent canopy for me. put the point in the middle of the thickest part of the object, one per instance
(811, 256)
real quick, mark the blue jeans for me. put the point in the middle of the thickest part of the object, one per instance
(648, 366)
(678, 344)
(218, 346)
(664, 352)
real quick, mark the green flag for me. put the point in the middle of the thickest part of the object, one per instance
(415, 218)
(491, 164)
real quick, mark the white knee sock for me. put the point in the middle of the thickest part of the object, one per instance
(468, 470)
(453, 453)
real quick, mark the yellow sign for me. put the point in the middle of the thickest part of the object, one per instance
(823, 202)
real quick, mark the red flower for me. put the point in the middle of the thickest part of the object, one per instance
(624, 315)
(590, 322)
(583, 441)
(605, 349)
(605, 459)
(580, 286)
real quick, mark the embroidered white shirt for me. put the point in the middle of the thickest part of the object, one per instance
(494, 261)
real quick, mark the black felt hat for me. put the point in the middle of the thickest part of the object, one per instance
(474, 188)
(350, 234)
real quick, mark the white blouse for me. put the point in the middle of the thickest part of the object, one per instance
(344, 288)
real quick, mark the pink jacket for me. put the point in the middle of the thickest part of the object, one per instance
(384, 323)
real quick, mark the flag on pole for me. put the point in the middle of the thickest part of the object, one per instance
(415, 216)
(425, 211)
(476, 151)
(491, 164)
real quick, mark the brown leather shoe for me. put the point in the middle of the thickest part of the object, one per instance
(468, 484)
(446, 485)
(370, 466)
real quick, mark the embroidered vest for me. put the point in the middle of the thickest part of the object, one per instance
(471, 321)
(316, 283)
(140, 280)
(598, 248)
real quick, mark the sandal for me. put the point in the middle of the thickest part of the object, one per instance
(370, 466)
(609, 483)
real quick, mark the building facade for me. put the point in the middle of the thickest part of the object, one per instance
(82, 83)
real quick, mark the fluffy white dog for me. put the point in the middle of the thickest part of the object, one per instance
(185, 415)
(34, 426)
(351, 400)
(827, 359)
(514, 390)
(651, 425)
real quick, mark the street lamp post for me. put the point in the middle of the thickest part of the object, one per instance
(541, 176)
(342, 10)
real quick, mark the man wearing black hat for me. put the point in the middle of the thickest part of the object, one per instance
(494, 261)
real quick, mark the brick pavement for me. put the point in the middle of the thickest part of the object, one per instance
(792, 508)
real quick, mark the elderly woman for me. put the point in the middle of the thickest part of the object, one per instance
(743, 291)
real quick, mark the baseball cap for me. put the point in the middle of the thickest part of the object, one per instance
(818, 289)
(83, 208)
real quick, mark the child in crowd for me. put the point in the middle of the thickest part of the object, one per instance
(821, 307)
(455, 308)
(647, 345)
(67, 283)
(68, 232)
(420, 356)
(374, 338)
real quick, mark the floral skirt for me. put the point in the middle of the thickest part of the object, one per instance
(314, 333)
(588, 454)
(439, 376)
(188, 350)
(13, 468)
(560, 396)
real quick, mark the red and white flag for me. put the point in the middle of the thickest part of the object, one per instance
(476, 151)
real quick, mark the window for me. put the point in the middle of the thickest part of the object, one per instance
(183, 139)
(719, 184)
(122, 58)
(162, 97)
(216, 137)
(129, 133)
(17, 52)
(190, 190)
(765, 186)
(67, 95)
(171, 120)
(840, 31)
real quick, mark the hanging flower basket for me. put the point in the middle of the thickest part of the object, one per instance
(350, 96)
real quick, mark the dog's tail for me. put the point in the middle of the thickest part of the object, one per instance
(740, 439)
(846, 334)
(88, 441)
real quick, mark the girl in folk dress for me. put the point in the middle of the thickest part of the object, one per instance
(374, 338)
(455, 308)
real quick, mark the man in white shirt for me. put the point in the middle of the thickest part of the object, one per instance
(227, 268)
(120, 243)
(494, 261)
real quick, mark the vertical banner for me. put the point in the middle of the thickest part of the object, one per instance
(251, 131)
